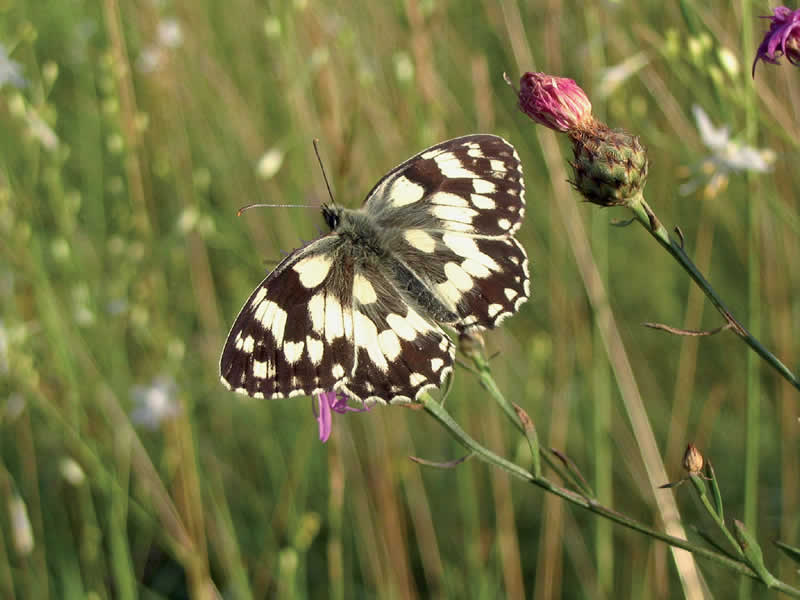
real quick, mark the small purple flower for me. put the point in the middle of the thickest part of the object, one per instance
(783, 37)
(331, 401)
(556, 102)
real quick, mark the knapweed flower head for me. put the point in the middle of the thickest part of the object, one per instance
(783, 38)
(330, 402)
(610, 166)
(555, 102)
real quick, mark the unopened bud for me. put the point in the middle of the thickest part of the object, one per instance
(556, 102)
(524, 418)
(692, 460)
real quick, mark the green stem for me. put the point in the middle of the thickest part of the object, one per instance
(443, 417)
(487, 381)
(700, 487)
(650, 222)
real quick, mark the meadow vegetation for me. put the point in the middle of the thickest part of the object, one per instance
(130, 133)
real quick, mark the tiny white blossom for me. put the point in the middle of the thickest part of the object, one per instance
(155, 403)
(170, 33)
(727, 155)
(270, 163)
(10, 70)
(71, 471)
(188, 219)
(150, 59)
(41, 131)
(21, 529)
(15, 404)
(403, 67)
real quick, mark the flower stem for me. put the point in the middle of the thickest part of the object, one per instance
(645, 215)
(486, 379)
(700, 487)
(438, 412)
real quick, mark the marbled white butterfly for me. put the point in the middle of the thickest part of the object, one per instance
(360, 309)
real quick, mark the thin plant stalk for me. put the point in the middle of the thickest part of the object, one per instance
(645, 215)
(438, 412)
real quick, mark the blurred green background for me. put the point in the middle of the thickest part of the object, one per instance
(130, 132)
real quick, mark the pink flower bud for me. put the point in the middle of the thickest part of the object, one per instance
(556, 102)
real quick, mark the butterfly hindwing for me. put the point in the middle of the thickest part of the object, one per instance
(399, 352)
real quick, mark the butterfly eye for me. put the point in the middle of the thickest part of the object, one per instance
(331, 216)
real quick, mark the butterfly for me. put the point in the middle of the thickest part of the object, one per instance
(361, 309)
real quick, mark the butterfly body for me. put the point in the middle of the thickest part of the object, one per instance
(360, 309)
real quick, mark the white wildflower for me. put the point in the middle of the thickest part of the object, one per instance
(188, 219)
(21, 529)
(71, 471)
(150, 59)
(170, 33)
(15, 404)
(270, 163)
(403, 67)
(155, 403)
(727, 156)
(10, 70)
(41, 131)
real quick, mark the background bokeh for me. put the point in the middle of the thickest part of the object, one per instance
(130, 132)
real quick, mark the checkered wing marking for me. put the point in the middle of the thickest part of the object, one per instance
(400, 352)
(294, 334)
(472, 184)
(482, 280)
(319, 322)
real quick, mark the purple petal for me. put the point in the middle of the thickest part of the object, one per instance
(782, 37)
(325, 418)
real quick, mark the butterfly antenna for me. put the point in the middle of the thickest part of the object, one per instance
(322, 167)
(261, 205)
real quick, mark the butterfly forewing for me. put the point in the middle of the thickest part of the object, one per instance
(458, 205)
(471, 185)
(294, 334)
(360, 309)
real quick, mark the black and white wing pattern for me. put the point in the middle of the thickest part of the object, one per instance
(360, 309)
(457, 206)
(320, 321)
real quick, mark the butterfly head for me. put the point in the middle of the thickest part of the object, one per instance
(332, 215)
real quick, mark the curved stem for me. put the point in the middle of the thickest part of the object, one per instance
(484, 372)
(645, 215)
(443, 417)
